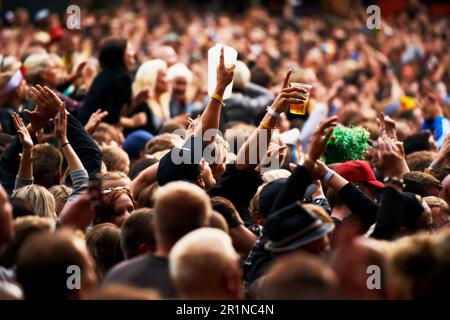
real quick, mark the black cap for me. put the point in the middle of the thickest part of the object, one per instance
(293, 227)
(181, 163)
(268, 195)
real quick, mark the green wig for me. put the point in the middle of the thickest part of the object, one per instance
(346, 144)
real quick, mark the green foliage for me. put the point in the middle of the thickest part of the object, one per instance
(346, 144)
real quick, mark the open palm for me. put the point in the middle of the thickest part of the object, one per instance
(22, 132)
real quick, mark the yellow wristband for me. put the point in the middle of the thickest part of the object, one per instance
(265, 126)
(216, 97)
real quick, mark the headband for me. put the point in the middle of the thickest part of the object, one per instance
(13, 83)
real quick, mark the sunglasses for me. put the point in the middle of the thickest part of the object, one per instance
(109, 190)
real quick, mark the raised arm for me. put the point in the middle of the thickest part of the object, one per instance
(390, 213)
(255, 147)
(73, 161)
(145, 178)
(211, 116)
(77, 171)
(85, 147)
(296, 185)
(25, 174)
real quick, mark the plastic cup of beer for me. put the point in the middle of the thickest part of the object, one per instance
(300, 108)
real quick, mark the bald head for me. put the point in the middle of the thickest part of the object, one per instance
(180, 207)
(44, 263)
(204, 265)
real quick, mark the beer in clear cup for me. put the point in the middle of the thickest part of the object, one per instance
(300, 108)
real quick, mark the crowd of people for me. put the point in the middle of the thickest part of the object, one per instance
(348, 201)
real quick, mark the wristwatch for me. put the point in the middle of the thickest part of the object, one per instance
(394, 180)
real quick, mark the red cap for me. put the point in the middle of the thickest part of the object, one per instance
(358, 171)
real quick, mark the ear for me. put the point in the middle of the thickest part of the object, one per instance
(145, 247)
(141, 154)
(201, 182)
(231, 282)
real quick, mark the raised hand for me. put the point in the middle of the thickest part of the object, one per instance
(22, 132)
(224, 74)
(48, 105)
(389, 158)
(94, 120)
(387, 125)
(319, 138)
(61, 125)
(288, 95)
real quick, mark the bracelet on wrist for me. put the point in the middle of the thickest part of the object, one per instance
(64, 144)
(272, 112)
(395, 181)
(262, 125)
(217, 97)
(327, 177)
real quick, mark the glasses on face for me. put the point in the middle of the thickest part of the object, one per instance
(109, 190)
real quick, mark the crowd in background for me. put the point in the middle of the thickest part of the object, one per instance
(91, 121)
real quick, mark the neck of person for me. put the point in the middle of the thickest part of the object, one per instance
(163, 249)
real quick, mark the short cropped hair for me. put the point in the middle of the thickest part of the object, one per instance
(180, 207)
(202, 255)
(421, 183)
(419, 160)
(47, 162)
(137, 229)
(103, 242)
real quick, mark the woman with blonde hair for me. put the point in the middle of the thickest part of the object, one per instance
(152, 76)
(40, 198)
(13, 92)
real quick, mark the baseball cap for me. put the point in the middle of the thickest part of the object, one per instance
(358, 171)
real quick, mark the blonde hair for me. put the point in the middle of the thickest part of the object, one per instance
(113, 157)
(40, 199)
(218, 150)
(179, 70)
(9, 63)
(319, 212)
(35, 64)
(145, 79)
(242, 75)
(61, 192)
(115, 179)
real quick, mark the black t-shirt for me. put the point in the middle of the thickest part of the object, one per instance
(110, 91)
(145, 271)
(238, 186)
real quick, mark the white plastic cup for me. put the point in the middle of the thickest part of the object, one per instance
(230, 56)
